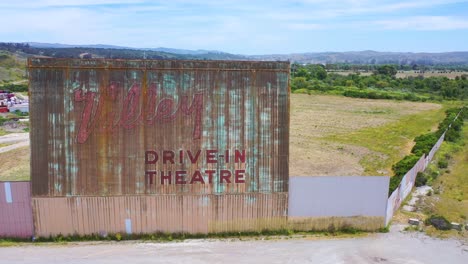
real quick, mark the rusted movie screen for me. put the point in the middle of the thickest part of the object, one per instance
(131, 127)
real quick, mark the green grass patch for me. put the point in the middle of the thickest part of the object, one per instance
(392, 140)
(12, 242)
(453, 199)
(3, 132)
(169, 237)
(5, 144)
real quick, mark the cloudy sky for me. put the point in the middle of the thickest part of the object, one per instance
(242, 26)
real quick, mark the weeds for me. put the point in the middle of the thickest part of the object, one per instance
(170, 237)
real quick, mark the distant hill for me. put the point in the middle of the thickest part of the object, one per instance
(372, 57)
(353, 57)
(103, 46)
(111, 52)
(61, 46)
(12, 67)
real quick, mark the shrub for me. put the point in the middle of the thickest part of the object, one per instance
(439, 222)
(301, 91)
(404, 165)
(421, 179)
(15, 87)
(3, 120)
(424, 143)
(400, 169)
(452, 135)
(442, 164)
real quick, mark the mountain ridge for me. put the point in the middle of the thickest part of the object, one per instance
(329, 57)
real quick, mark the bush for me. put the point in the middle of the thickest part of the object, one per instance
(15, 87)
(404, 165)
(439, 222)
(400, 169)
(442, 164)
(301, 91)
(3, 120)
(421, 179)
(424, 143)
(452, 135)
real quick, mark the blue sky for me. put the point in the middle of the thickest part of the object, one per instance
(242, 26)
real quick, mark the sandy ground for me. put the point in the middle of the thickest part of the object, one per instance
(416, 195)
(393, 247)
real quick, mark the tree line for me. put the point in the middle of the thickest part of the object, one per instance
(381, 84)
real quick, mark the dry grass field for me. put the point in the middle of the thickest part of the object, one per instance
(404, 74)
(14, 165)
(333, 135)
(346, 73)
(426, 74)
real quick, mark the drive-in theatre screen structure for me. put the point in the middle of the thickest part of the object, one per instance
(144, 146)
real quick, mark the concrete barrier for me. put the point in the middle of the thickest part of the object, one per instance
(456, 226)
(414, 221)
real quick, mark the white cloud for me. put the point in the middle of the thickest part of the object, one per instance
(392, 6)
(424, 23)
(215, 24)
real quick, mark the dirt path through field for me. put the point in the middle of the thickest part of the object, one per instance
(16, 140)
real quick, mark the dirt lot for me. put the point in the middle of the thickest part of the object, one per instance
(404, 74)
(426, 74)
(318, 122)
(393, 247)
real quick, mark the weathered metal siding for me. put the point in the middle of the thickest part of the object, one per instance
(166, 213)
(15, 210)
(93, 121)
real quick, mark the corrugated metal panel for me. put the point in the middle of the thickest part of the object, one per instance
(93, 123)
(15, 210)
(166, 213)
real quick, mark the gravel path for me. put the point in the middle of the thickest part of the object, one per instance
(393, 247)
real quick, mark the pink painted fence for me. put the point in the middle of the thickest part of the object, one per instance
(15, 210)
(434, 149)
(407, 182)
(404, 189)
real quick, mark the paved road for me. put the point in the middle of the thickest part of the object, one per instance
(19, 140)
(394, 247)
